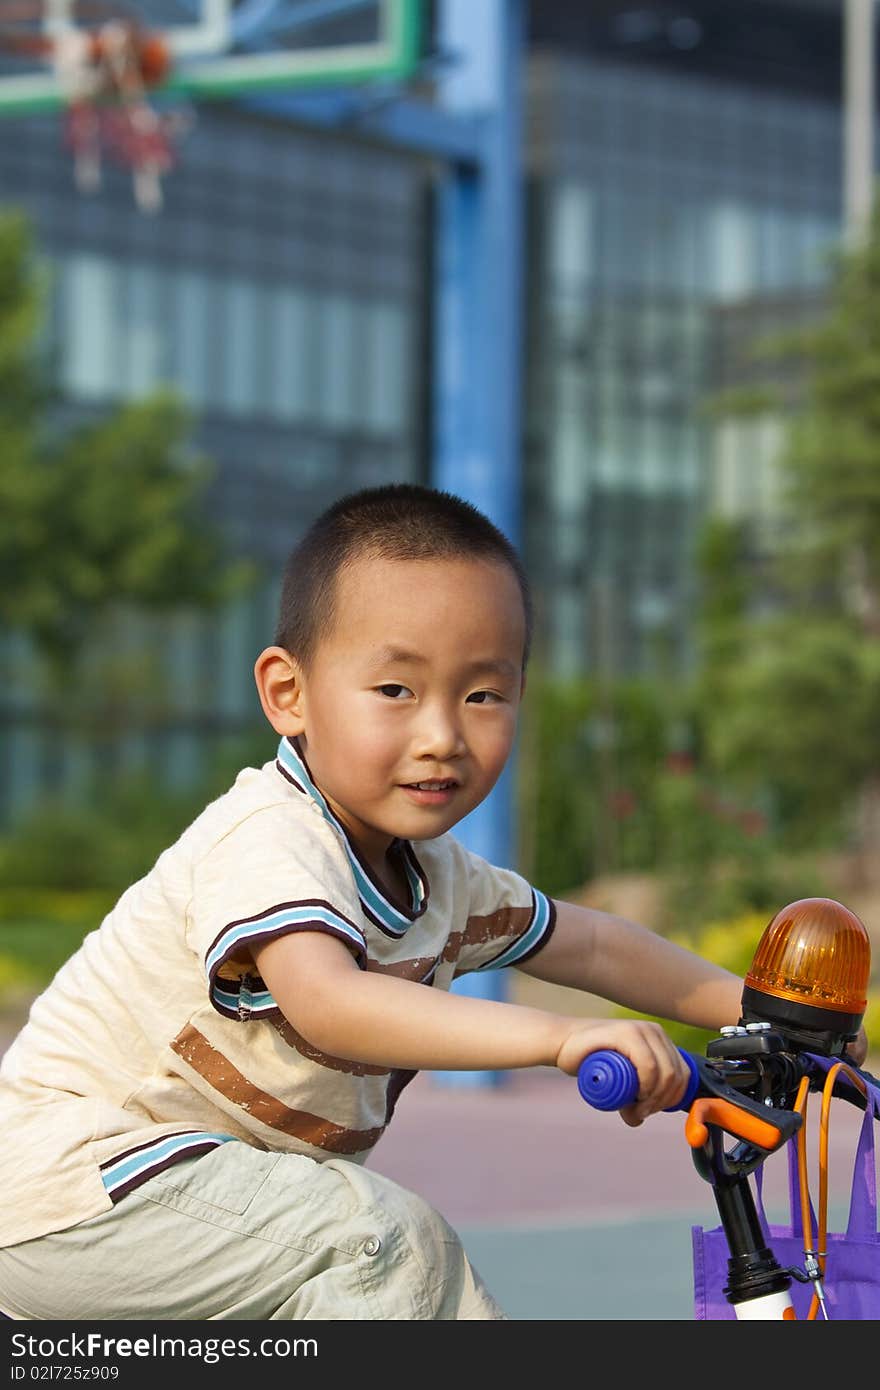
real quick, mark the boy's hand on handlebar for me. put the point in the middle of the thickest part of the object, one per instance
(663, 1074)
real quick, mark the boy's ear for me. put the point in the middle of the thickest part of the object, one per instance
(279, 684)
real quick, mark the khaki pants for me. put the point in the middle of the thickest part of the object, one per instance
(242, 1234)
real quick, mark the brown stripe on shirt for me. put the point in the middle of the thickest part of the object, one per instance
(194, 1049)
(506, 921)
(419, 968)
(322, 1059)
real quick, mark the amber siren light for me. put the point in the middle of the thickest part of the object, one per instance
(809, 975)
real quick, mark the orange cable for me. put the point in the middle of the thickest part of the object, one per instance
(800, 1105)
(824, 1128)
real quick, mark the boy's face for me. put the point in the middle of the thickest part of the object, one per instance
(419, 681)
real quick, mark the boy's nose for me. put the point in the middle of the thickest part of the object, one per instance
(438, 734)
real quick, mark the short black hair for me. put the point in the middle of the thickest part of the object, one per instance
(400, 521)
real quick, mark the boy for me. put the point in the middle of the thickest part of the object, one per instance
(188, 1109)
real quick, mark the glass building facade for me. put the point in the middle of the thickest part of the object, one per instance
(663, 198)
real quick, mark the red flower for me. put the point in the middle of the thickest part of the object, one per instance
(753, 822)
(622, 804)
(680, 763)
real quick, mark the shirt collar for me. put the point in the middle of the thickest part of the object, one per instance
(390, 916)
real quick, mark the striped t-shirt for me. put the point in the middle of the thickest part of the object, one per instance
(158, 1041)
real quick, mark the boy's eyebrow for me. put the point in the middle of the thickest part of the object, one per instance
(391, 655)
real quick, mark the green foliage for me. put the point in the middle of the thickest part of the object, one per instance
(799, 712)
(115, 832)
(36, 940)
(789, 683)
(833, 447)
(39, 930)
(872, 1020)
(22, 301)
(587, 768)
(721, 556)
(86, 847)
(744, 401)
(62, 868)
(601, 792)
(106, 515)
(717, 854)
(756, 879)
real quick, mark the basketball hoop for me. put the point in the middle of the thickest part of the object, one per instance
(100, 62)
(105, 75)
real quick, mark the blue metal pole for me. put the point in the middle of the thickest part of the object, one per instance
(476, 130)
(479, 339)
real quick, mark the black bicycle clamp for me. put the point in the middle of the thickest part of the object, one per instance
(743, 1073)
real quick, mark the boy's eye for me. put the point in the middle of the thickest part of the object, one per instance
(483, 697)
(393, 690)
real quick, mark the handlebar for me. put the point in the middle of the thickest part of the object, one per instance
(608, 1080)
(745, 1086)
(740, 1095)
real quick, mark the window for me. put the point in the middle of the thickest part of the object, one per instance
(190, 336)
(732, 234)
(385, 369)
(239, 346)
(338, 352)
(90, 348)
(142, 364)
(290, 329)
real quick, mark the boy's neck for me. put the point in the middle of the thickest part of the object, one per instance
(387, 866)
(391, 873)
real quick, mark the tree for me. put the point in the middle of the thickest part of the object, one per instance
(97, 517)
(792, 683)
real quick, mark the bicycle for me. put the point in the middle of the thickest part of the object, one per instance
(801, 1007)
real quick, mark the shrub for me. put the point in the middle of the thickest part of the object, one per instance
(111, 836)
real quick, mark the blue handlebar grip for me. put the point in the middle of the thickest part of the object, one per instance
(607, 1080)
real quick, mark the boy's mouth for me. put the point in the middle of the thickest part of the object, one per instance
(431, 792)
(433, 785)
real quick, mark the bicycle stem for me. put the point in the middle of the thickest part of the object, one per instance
(759, 1061)
(762, 1074)
(753, 1270)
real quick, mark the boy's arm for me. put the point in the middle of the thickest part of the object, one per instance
(620, 961)
(382, 1020)
(627, 964)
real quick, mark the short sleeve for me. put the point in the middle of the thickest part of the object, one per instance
(277, 871)
(508, 920)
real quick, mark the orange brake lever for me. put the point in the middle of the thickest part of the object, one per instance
(712, 1110)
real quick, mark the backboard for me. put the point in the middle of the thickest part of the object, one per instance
(218, 48)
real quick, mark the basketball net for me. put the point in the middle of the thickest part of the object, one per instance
(105, 75)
